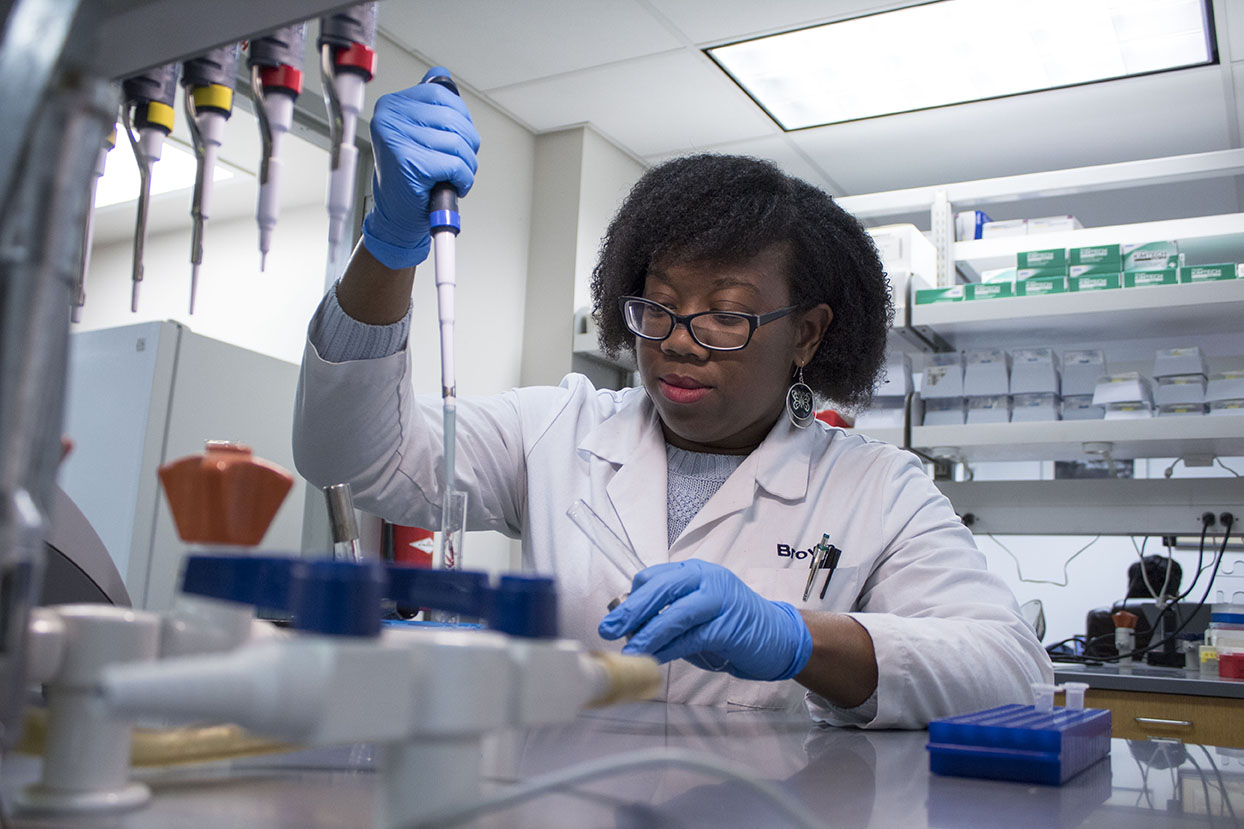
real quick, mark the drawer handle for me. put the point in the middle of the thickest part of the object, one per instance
(1156, 721)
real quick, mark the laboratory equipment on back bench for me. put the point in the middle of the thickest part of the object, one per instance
(148, 106)
(275, 62)
(209, 81)
(347, 61)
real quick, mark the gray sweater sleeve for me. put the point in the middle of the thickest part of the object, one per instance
(339, 338)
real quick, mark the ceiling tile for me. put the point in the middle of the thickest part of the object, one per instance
(677, 101)
(713, 21)
(1157, 115)
(490, 44)
(773, 148)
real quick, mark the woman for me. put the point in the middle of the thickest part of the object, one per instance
(741, 291)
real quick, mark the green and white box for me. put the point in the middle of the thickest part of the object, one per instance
(930, 296)
(1145, 279)
(1208, 273)
(1095, 282)
(1049, 262)
(1038, 285)
(1150, 256)
(1095, 255)
(988, 290)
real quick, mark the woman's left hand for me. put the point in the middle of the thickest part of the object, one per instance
(705, 614)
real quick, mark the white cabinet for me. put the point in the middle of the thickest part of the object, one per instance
(142, 395)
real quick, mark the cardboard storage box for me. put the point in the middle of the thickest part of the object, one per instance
(987, 372)
(993, 409)
(1126, 387)
(1180, 389)
(1082, 370)
(1034, 370)
(1097, 282)
(1182, 409)
(1209, 273)
(1188, 359)
(1080, 407)
(944, 411)
(1226, 385)
(1029, 408)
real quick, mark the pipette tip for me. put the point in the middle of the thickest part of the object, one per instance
(263, 260)
(194, 286)
(134, 297)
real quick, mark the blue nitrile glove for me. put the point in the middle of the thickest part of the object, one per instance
(421, 136)
(711, 619)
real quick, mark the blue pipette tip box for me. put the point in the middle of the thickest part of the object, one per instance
(1019, 743)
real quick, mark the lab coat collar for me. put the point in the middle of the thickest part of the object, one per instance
(632, 439)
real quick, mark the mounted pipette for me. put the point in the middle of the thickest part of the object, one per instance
(88, 236)
(209, 81)
(148, 107)
(347, 63)
(275, 62)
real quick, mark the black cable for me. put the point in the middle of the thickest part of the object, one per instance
(1217, 565)
(1223, 794)
(1171, 637)
(1200, 557)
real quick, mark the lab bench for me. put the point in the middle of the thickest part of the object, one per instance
(1164, 703)
(848, 777)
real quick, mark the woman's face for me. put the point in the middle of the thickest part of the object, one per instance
(725, 401)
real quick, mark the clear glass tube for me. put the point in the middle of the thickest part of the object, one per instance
(453, 530)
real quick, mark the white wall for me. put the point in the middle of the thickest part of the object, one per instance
(580, 179)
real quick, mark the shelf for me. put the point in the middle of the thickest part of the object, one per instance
(1125, 313)
(1165, 437)
(1204, 240)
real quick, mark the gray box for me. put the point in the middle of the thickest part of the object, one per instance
(1080, 407)
(1125, 387)
(1034, 371)
(942, 381)
(987, 373)
(992, 409)
(1175, 361)
(1081, 371)
(1180, 389)
(1034, 407)
(944, 411)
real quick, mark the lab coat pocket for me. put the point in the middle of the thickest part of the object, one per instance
(787, 585)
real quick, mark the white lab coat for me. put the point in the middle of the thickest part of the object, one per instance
(947, 634)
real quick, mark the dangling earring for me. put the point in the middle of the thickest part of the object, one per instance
(799, 402)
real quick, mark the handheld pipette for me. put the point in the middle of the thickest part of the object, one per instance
(445, 223)
(209, 81)
(275, 62)
(88, 238)
(347, 63)
(149, 108)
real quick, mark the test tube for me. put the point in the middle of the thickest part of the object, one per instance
(1074, 700)
(618, 552)
(453, 529)
(1043, 696)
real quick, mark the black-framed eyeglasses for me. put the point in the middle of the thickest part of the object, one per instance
(714, 330)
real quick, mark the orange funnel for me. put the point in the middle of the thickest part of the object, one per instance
(225, 495)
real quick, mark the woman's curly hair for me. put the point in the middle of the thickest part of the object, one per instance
(723, 208)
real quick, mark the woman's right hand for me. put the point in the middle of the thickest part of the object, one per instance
(421, 136)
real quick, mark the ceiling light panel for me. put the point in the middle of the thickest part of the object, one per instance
(955, 51)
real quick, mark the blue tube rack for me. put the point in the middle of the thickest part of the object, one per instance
(1019, 743)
